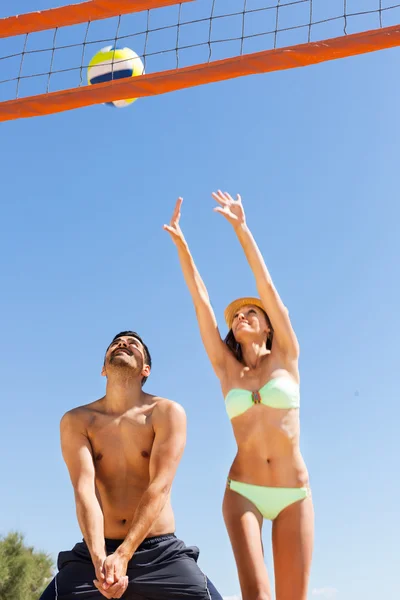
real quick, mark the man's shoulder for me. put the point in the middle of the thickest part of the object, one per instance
(81, 414)
(166, 407)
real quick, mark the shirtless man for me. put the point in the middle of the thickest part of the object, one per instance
(122, 452)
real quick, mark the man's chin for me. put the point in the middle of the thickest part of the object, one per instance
(121, 360)
(122, 363)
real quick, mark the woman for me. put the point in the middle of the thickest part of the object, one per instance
(257, 365)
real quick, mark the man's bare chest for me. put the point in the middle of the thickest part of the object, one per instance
(122, 443)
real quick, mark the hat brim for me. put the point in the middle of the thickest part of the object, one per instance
(236, 305)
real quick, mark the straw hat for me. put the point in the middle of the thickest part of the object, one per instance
(236, 305)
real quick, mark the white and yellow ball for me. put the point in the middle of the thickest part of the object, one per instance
(112, 63)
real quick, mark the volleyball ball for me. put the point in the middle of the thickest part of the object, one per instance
(112, 63)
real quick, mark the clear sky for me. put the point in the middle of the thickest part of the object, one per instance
(84, 194)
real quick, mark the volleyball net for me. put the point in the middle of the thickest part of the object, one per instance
(44, 55)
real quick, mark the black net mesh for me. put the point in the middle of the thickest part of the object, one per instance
(180, 36)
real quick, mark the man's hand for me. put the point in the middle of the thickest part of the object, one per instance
(111, 577)
(98, 567)
(115, 567)
(116, 590)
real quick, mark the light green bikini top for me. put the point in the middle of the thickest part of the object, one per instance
(279, 392)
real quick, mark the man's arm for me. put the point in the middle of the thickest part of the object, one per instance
(77, 453)
(169, 423)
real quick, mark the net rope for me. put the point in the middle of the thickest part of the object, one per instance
(182, 35)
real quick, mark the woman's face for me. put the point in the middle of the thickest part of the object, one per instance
(249, 323)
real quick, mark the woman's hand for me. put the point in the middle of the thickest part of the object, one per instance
(231, 209)
(174, 228)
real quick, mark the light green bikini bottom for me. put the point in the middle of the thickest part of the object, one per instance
(270, 501)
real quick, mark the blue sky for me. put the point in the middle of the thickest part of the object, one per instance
(314, 154)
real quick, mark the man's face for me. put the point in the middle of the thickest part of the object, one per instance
(126, 352)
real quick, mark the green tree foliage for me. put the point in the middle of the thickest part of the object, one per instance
(24, 572)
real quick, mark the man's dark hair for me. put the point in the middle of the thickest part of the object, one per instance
(147, 356)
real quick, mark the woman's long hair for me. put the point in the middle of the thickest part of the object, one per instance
(236, 348)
